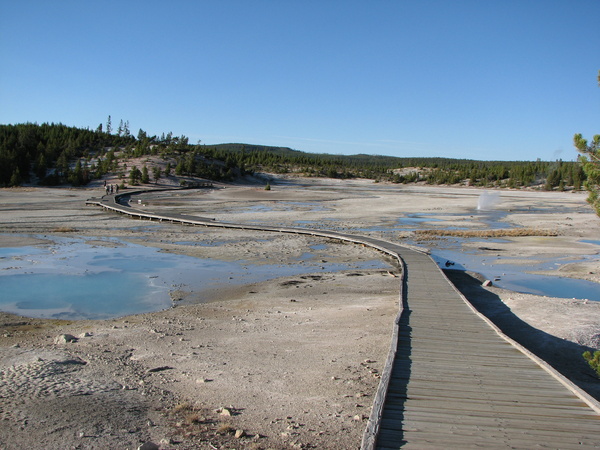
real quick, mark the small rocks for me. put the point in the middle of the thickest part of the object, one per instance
(487, 283)
(224, 412)
(159, 369)
(239, 434)
(169, 441)
(65, 339)
(149, 446)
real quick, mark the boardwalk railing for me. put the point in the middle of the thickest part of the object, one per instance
(490, 391)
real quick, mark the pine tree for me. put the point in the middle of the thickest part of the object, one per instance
(41, 166)
(156, 172)
(15, 179)
(590, 160)
(134, 176)
(145, 176)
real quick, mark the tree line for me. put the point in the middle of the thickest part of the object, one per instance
(52, 154)
(515, 174)
(47, 152)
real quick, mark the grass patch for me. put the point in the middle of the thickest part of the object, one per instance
(194, 418)
(225, 428)
(182, 407)
(512, 232)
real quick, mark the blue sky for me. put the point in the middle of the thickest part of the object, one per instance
(496, 79)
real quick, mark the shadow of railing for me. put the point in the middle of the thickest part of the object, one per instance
(391, 429)
(563, 355)
(390, 432)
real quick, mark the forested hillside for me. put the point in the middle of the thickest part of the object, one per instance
(548, 175)
(52, 154)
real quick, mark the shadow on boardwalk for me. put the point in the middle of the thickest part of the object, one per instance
(562, 355)
(401, 371)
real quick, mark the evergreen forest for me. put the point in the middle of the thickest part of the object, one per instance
(56, 154)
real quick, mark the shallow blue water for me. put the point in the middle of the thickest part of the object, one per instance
(515, 277)
(91, 296)
(590, 241)
(74, 279)
(554, 286)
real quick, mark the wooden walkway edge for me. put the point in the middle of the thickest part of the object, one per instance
(452, 379)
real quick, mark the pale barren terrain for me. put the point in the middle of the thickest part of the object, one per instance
(293, 361)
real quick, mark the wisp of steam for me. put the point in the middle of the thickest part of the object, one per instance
(488, 201)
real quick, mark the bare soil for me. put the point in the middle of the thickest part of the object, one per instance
(292, 362)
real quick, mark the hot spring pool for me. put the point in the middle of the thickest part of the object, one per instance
(101, 279)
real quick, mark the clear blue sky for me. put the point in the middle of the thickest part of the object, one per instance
(494, 79)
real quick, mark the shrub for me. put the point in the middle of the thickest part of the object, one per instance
(593, 360)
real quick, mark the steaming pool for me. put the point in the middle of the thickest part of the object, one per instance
(499, 269)
(107, 278)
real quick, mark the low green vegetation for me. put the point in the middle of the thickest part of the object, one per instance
(593, 360)
(590, 161)
(53, 154)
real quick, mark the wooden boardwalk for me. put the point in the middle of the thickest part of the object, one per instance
(452, 379)
(456, 382)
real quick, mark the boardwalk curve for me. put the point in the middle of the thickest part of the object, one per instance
(452, 379)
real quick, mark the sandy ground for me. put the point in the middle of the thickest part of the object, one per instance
(288, 363)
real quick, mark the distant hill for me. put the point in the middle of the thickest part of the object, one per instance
(51, 154)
